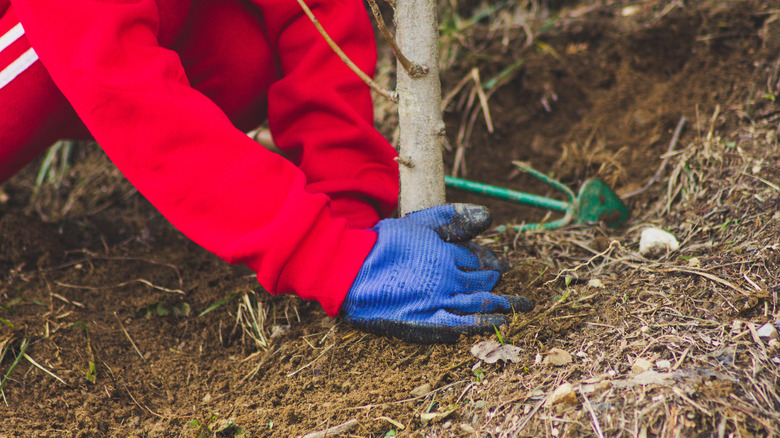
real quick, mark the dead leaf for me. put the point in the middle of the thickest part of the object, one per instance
(436, 416)
(557, 357)
(641, 365)
(421, 390)
(562, 394)
(492, 352)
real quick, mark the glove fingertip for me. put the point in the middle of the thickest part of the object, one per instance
(520, 304)
(468, 222)
(487, 322)
(489, 259)
(501, 265)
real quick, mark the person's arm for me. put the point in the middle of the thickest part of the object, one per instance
(320, 112)
(211, 181)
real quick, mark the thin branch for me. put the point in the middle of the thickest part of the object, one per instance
(667, 156)
(404, 161)
(706, 275)
(335, 430)
(527, 418)
(135, 347)
(561, 301)
(413, 69)
(310, 363)
(40, 367)
(138, 280)
(406, 400)
(391, 95)
(140, 405)
(593, 416)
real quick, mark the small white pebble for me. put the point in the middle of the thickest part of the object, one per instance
(663, 364)
(655, 242)
(768, 330)
(595, 282)
(629, 11)
(467, 428)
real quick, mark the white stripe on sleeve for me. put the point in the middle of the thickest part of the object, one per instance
(16, 68)
(11, 36)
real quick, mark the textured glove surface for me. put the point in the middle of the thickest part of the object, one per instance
(423, 281)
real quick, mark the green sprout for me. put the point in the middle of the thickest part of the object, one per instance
(498, 335)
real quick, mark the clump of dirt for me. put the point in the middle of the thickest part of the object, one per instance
(139, 325)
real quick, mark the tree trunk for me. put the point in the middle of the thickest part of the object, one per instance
(419, 107)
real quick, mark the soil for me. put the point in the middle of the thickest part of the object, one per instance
(136, 327)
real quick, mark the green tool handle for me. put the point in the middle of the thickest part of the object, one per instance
(507, 194)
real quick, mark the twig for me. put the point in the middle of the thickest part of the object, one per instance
(454, 92)
(310, 363)
(391, 95)
(667, 156)
(469, 114)
(335, 430)
(404, 161)
(706, 275)
(557, 304)
(63, 299)
(774, 186)
(391, 421)
(39, 366)
(135, 347)
(142, 406)
(138, 280)
(680, 394)
(527, 418)
(483, 99)
(413, 69)
(379, 405)
(593, 416)
(668, 8)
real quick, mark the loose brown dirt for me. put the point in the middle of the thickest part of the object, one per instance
(139, 327)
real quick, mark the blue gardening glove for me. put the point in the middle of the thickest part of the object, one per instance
(417, 286)
(488, 259)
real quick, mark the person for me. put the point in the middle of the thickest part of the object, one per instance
(168, 89)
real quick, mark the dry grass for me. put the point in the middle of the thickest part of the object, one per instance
(691, 315)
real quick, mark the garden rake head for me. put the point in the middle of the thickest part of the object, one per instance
(594, 203)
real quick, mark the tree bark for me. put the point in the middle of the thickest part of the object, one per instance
(419, 108)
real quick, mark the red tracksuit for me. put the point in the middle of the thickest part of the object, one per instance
(166, 88)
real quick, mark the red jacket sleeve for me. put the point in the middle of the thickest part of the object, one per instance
(321, 113)
(213, 183)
